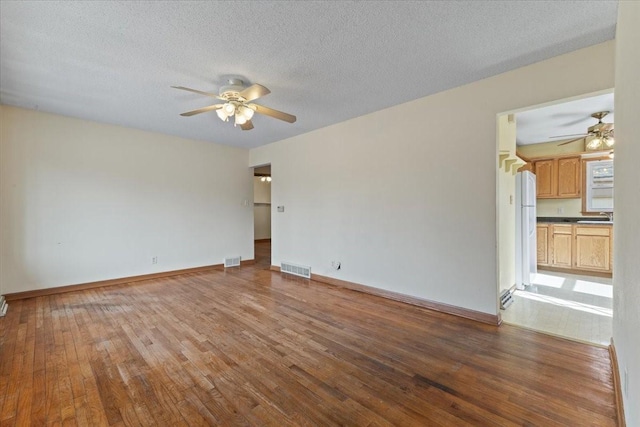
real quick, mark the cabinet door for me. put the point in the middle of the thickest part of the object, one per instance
(545, 178)
(593, 248)
(542, 243)
(561, 241)
(569, 177)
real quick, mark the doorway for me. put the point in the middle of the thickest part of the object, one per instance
(569, 291)
(262, 216)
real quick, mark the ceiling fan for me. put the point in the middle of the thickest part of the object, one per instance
(238, 104)
(602, 134)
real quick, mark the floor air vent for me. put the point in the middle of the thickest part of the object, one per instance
(506, 299)
(232, 262)
(297, 270)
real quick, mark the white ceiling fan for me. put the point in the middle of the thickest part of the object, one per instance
(238, 104)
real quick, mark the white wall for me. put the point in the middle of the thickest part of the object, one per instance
(262, 209)
(405, 197)
(82, 201)
(626, 277)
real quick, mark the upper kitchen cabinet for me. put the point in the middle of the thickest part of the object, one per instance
(559, 178)
(546, 186)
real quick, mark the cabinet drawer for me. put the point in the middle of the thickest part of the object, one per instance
(562, 229)
(593, 231)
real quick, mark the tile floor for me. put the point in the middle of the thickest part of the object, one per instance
(568, 305)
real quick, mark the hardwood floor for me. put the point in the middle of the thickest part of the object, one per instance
(248, 346)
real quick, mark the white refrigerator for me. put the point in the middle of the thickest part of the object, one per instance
(526, 252)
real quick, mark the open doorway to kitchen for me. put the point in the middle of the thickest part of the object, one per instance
(555, 217)
(262, 215)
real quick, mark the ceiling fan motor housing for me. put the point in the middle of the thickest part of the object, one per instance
(232, 91)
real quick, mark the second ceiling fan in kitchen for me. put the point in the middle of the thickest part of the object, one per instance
(601, 134)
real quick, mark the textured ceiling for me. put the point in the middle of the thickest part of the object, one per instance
(323, 61)
(567, 118)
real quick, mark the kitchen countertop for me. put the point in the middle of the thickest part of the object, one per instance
(557, 220)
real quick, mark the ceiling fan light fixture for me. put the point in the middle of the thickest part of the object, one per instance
(222, 114)
(247, 112)
(594, 143)
(240, 119)
(609, 141)
(229, 108)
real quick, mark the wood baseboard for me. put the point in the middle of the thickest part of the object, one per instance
(617, 388)
(262, 240)
(407, 299)
(111, 282)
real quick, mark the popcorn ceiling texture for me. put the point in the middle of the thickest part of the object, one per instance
(325, 62)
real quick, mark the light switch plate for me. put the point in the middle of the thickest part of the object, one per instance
(280, 208)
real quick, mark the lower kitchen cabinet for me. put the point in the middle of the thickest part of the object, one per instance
(542, 244)
(593, 248)
(579, 247)
(561, 245)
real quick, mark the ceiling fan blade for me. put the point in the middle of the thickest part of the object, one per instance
(274, 113)
(202, 110)
(246, 125)
(569, 135)
(254, 92)
(569, 142)
(213, 95)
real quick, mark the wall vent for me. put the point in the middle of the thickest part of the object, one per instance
(297, 270)
(506, 299)
(232, 262)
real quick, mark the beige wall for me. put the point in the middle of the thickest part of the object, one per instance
(626, 277)
(565, 208)
(406, 197)
(82, 201)
(506, 204)
(551, 148)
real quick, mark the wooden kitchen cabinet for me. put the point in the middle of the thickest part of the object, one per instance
(593, 248)
(569, 177)
(561, 245)
(575, 247)
(542, 243)
(545, 171)
(559, 178)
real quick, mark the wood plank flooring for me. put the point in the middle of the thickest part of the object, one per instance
(251, 347)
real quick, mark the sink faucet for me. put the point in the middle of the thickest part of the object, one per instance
(608, 214)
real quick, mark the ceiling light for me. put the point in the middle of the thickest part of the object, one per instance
(229, 108)
(222, 114)
(240, 119)
(594, 143)
(265, 179)
(246, 112)
(609, 141)
(268, 179)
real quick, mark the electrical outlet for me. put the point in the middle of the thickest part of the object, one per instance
(560, 211)
(154, 260)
